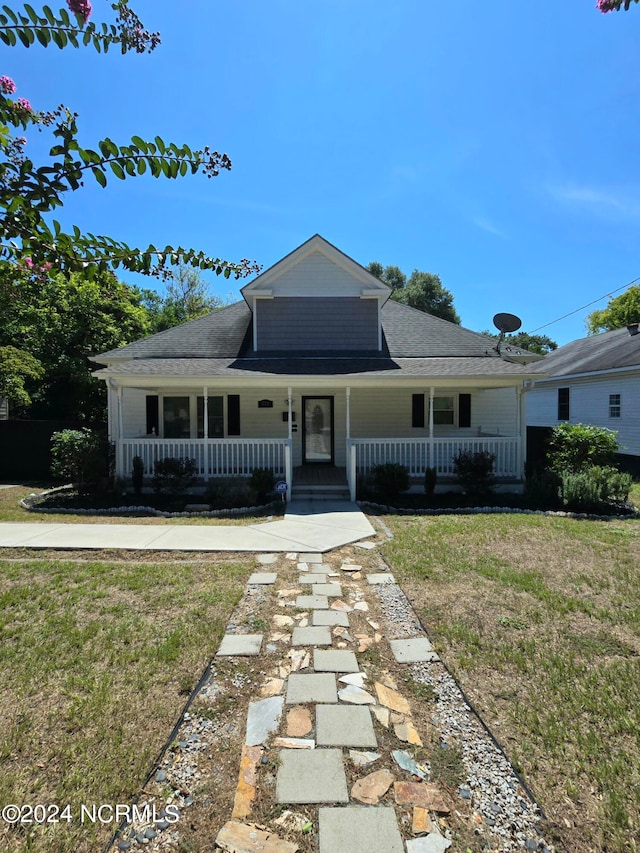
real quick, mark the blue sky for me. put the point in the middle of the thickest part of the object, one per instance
(495, 144)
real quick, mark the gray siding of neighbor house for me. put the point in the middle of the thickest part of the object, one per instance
(317, 323)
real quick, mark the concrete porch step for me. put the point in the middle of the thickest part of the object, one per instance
(320, 493)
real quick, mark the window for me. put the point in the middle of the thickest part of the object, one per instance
(443, 411)
(417, 410)
(176, 418)
(563, 404)
(614, 405)
(215, 417)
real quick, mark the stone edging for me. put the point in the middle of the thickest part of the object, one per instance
(487, 510)
(30, 503)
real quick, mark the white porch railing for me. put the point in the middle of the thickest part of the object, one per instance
(214, 457)
(420, 453)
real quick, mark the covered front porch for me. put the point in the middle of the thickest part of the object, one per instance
(319, 433)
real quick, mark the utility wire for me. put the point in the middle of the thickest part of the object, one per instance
(588, 305)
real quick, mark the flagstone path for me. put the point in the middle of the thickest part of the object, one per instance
(323, 723)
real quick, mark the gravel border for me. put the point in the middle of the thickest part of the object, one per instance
(631, 513)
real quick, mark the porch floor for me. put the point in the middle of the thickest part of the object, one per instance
(319, 475)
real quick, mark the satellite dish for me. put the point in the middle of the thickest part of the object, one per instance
(507, 323)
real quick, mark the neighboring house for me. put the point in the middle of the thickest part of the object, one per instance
(594, 380)
(318, 375)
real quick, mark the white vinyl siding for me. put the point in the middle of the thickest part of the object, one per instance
(317, 274)
(590, 404)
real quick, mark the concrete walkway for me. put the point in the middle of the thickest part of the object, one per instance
(307, 526)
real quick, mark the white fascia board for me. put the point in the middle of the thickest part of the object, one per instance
(592, 374)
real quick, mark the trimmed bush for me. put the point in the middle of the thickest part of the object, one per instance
(80, 456)
(389, 480)
(137, 474)
(541, 489)
(430, 480)
(174, 476)
(475, 471)
(262, 483)
(574, 447)
(229, 493)
(593, 488)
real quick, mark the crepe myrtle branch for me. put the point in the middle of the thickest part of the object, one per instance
(605, 6)
(60, 29)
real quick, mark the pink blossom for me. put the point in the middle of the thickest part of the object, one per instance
(24, 105)
(28, 263)
(81, 8)
(7, 86)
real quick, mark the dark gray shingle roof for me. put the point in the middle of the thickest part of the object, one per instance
(606, 351)
(227, 334)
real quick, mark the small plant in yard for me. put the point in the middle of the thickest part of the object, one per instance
(573, 447)
(262, 482)
(174, 476)
(594, 487)
(475, 471)
(229, 493)
(137, 474)
(78, 455)
(430, 480)
(390, 479)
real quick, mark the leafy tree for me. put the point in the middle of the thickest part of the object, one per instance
(576, 447)
(62, 321)
(29, 193)
(540, 344)
(614, 5)
(620, 312)
(17, 366)
(423, 290)
(187, 298)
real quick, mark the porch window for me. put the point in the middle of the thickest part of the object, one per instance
(564, 409)
(443, 411)
(615, 406)
(176, 419)
(215, 416)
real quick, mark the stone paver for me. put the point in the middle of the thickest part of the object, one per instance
(311, 776)
(311, 602)
(340, 827)
(310, 558)
(319, 635)
(330, 617)
(312, 577)
(263, 719)
(241, 645)
(334, 660)
(263, 578)
(333, 590)
(413, 651)
(236, 837)
(387, 577)
(314, 687)
(340, 725)
(267, 559)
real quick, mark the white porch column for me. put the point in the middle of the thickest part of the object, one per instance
(289, 410)
(288, 452)
(432, 462)
(522, 417)
(120, 472)
(205, 432)
(348, 425)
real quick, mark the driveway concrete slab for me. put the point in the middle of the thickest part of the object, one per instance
(311, 776)
(313, 687)
(334, 660)
(242, 645)
(342, 725)
(343, 830)
(311, 636)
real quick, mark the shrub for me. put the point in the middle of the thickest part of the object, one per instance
(262, 482)
(594, 487)
(541, 489)
(474, 471)
(364, 488)
(390, 479)
(229, 493)
(430, 480)
(174, 476)
(573, 447)
(137, 474)
(78, 455)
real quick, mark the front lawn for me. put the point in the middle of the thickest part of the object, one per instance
(539, 619)
(96, 663)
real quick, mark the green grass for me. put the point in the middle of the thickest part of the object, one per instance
(539, 618)
(96, 663)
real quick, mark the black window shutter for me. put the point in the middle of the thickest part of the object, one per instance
(233, 414)
(417, 410)
(153, 420)
(464, 410)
